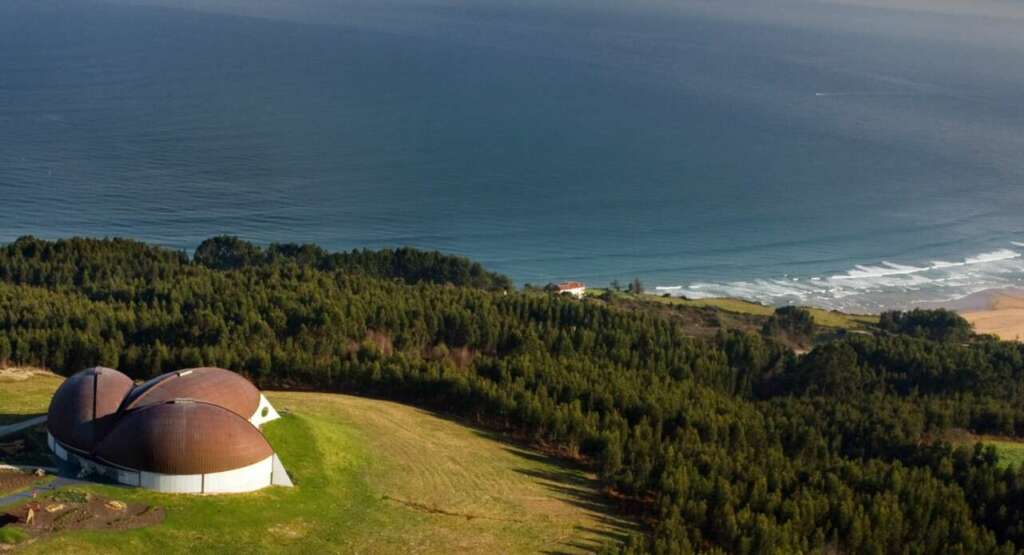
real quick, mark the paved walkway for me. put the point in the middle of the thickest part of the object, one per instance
(19, 426)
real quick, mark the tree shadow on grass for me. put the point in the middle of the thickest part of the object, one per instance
(581, 491)
(569, 481)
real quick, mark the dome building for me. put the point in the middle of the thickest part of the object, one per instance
(191, 431)
(87, 404)
(213, 385)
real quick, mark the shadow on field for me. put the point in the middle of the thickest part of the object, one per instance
(568, 481)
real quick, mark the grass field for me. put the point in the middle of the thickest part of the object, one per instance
(1010, 452)
(24, 394)
(371, 477)
(827, 318)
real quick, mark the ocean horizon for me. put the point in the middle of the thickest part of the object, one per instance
(846, 155)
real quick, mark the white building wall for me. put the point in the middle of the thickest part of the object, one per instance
(264, 413)
(56, 447)
(128, 477)
(172, 483)
(248, 478)
(280, 475)
(93, 467)
(90, 467)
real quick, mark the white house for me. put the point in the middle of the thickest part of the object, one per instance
(574, 288)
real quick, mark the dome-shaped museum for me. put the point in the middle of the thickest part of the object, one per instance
(192, 431)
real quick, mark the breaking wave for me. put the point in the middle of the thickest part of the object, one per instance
(873, 288)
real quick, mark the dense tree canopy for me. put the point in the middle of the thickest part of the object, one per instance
(724, 444)
(790, 322)
(411, 265)
(939, 325)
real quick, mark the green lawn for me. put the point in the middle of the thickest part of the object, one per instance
(371, 477)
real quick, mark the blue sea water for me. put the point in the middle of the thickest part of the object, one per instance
(837, 153)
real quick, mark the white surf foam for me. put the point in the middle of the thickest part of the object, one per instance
(885, 269)
(890, 269)
(1001, 254)
(875, 287)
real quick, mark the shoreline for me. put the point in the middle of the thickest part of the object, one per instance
(999, 312)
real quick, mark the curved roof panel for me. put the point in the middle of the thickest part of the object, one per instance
(183, 437)
(85, 405)
(211, 385)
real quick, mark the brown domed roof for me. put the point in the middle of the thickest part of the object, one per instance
(183, 437)
(211, 385)
(85, 405)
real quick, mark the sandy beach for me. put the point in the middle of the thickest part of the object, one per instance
(999, 312)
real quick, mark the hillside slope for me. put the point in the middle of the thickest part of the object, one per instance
(372, 477)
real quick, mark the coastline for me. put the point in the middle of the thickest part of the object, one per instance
(997, 311)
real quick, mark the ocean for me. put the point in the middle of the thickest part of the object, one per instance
(848, 154)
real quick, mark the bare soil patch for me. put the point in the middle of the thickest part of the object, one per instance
(72, 510)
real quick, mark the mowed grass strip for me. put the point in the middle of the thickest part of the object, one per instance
(371, 477)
